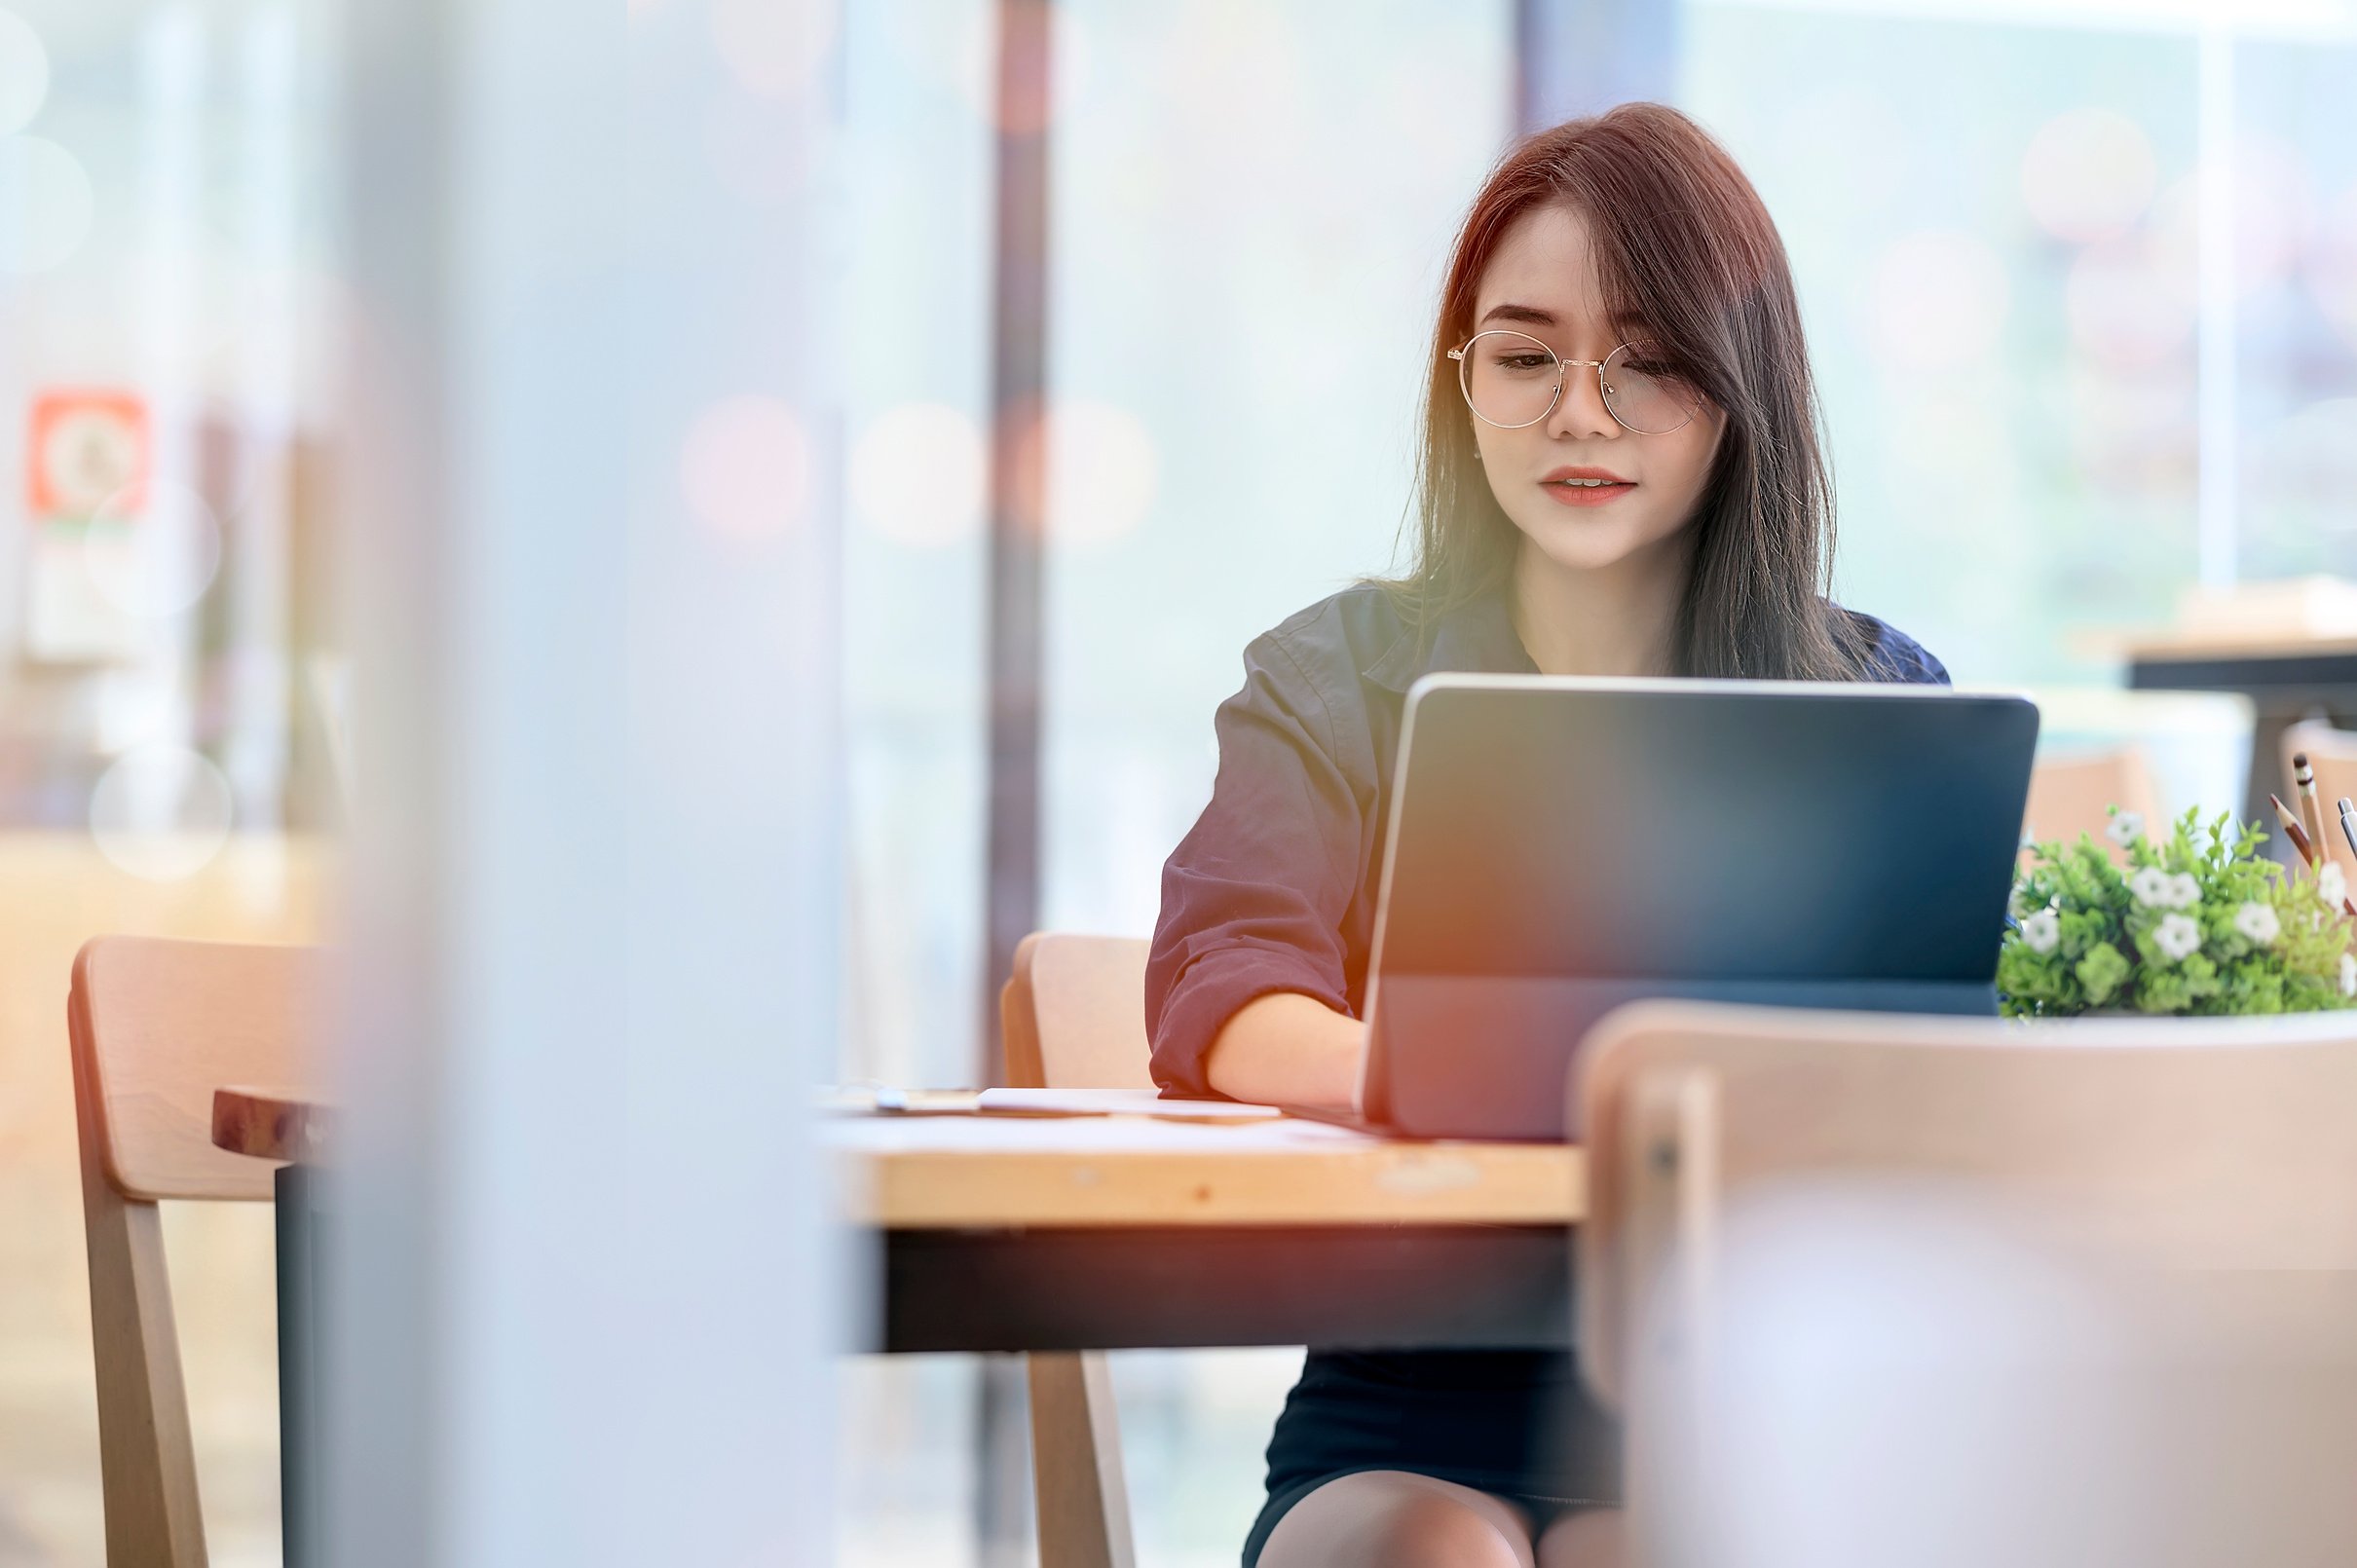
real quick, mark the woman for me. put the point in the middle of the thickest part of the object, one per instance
(1620, 475)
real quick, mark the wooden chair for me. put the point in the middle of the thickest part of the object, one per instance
(1074, 1017)
(2333, 752)
(156, 1027)
(2071, 794)
(2207, 1143)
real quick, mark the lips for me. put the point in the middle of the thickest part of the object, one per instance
(1584, 487)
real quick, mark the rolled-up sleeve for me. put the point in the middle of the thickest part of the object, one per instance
(1254, 898)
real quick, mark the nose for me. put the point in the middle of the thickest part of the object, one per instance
(1581, 411)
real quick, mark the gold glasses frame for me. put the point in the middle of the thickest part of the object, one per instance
(1562, 368)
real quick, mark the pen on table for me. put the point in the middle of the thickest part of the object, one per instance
(2348, 822)
(2308, 852)
(2311, 809)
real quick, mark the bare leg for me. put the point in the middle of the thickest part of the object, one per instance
(1393, 1518)
(1594, 1538)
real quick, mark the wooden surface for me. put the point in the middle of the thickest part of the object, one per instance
(2208, 1144)
(918, 1172)
(170, 1021)
(271, 1123)
(1079, 1490)
(2172, 648)
(1074, 1014)
(2071, 793)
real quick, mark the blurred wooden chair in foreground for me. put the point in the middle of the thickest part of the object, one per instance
(1932, 1289)
(1074, 1017)
(2071, 793)
(156, 1027)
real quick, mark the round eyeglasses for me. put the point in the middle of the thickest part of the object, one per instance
(1511, 380)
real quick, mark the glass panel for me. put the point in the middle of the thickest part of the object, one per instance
(916, 181)
(2296, 306)
(1992, 229)
(1253, 207)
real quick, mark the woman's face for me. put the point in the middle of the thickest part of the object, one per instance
(1542, 281)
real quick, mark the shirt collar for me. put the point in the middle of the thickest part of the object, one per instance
(1477, 637)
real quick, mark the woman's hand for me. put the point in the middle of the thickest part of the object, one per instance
(1289, 1049)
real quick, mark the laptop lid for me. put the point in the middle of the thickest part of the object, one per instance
(1628, 837)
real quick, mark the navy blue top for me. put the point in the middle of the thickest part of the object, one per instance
(1274, 888)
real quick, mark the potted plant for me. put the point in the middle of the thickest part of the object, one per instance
(2194, 924)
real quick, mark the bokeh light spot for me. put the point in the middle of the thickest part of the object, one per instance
(45, 204)
(23, 73)
(1101, 469)
(774, 47)
(2088, 175)
(745, 466)
(161, 812)
(2129, 308)
(919, 473)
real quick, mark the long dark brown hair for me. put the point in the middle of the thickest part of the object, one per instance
(1683, 243)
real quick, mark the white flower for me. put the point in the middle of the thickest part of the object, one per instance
(2332, 884)
(2177, 936)
(2348, 973)
(2041, 931)
(2184, 890)
(2258, 921)
(2125, 828)
(2152, 886)
(2019, 904)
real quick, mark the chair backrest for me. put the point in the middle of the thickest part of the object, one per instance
(2071, 792)
(2213, 1142)
(2333, 752)
(156, 1027)
(1074, 1013)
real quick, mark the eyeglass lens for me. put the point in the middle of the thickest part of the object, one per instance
(1511, 379)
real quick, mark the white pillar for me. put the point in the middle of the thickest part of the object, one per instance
(581, 1292)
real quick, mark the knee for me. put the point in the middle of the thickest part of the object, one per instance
(1388, 1519)
(1428, 1531)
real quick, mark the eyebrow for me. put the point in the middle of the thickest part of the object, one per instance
(1532, 315)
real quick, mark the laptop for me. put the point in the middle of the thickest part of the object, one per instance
(1560, 845)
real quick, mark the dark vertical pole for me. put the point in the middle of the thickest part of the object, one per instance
(299, 1426)
(1019, 291)
(1581, 57)
(1019, 301)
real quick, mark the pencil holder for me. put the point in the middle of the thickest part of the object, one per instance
(2196, 923)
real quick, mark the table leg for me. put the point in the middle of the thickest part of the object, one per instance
(298, 1367)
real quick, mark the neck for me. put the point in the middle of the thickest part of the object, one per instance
(1617, 619)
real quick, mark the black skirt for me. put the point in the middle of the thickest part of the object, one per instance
(1518, 1424)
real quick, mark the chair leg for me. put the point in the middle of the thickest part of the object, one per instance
(1083, 1503)
(146, 1457)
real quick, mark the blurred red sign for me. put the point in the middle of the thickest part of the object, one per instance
(85, 446)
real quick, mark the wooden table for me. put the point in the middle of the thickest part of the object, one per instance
(2286, 682)
(1001, 1233)
(1033, 1233)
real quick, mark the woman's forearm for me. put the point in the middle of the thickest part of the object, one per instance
(1288, 1048)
